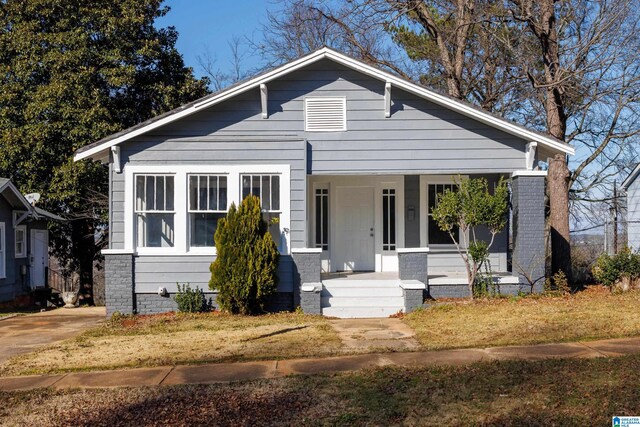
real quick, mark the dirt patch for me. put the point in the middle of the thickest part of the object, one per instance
(365, 335)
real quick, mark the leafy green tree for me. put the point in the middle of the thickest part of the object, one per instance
(73, 72)
(244, 271)
(470, 206)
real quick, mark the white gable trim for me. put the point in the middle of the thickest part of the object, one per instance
(354, 64)
(632, 177)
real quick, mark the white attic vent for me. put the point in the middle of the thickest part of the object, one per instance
(325, 114)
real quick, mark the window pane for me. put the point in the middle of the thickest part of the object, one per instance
(140, 205)
(203, 228)
(319, 221)
(265, 196)
(273, 221)
(160, 181)
(275, 192)
(213, 193)
(255, 185)
(392, 221)
(246, 186)
(155, 230)
(202, 193)
(385, 220)
(325, 219)
(169, 193)
(222, 193)
(150, 193)
(193, 192)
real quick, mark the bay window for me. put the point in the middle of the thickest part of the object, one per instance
(207, 204)
(155, 211)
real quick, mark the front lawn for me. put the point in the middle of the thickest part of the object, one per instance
(171, 338)
(592, 314)
(548, 393)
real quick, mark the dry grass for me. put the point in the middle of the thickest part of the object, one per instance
(515, 393)
(588, 315)
(181, 339)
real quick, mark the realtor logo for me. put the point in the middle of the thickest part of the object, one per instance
(625, 421)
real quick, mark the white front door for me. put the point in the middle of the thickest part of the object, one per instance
(355, 229)
(39, 257)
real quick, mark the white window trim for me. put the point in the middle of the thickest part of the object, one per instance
(181, 241)
(343, 99)
(22, 254)
(152, 211)
(3, 252)
(425, 180)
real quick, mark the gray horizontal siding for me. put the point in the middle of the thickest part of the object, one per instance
(450, 262)
(152, 272)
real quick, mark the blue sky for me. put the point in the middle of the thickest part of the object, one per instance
(211, 24)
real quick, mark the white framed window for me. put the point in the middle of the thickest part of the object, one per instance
(207, 204)
(389, 219)
(154, 210)
(3, 252)
(21, 241)
(325, 114)
(267, 188)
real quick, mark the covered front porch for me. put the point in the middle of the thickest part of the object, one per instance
(373, 249)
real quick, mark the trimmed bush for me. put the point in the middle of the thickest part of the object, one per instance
(244, 271)
(190, 300)
(620, 271)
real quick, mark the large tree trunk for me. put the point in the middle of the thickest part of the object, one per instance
(558, 182)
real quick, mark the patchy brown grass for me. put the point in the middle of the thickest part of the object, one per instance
(592, 314)
(171, 338)
(509, 393)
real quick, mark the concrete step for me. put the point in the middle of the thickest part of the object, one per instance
(362, 302)
(359, 312)
(362, 293)
(353, 283)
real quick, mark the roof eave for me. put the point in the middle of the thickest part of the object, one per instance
(631, 178)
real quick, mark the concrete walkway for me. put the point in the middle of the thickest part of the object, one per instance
(228, 372)
(24, 334)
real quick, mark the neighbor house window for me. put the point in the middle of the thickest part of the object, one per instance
(436, 235)
(207, 204)
(155, 211)
(322, 218)
(389, 219)
(21, 241)
(267, 188)
(3, 252)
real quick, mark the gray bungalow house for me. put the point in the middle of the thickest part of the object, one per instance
(631, 186)
(24, 243)
(349, 158)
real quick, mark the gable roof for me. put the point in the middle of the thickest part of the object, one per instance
(631, 178)
(96, 149)
(17, 200)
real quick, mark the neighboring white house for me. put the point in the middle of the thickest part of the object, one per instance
(348, 157)
(631, 186)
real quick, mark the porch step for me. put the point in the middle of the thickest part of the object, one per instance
(359, 312)
(369, 301)
(349, 298)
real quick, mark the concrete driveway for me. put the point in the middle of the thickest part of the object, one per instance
(24, 334)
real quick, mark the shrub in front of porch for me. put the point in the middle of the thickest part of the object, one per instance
(244, 271)
(469, 206)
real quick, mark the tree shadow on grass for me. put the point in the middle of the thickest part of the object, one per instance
(278, 332)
